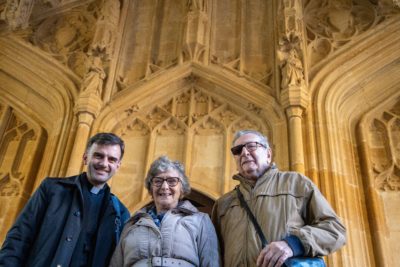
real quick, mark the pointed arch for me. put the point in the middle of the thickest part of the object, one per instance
(357, 80)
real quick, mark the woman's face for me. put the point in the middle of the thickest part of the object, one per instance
(166, 193)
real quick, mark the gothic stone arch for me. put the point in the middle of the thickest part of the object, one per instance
(356, 109)
(192, 120)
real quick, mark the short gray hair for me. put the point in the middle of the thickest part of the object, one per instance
(263, 139)
(163, 164)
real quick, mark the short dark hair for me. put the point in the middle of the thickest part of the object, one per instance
(106, 139)
(163, 164)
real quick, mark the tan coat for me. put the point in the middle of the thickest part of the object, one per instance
(284, 203)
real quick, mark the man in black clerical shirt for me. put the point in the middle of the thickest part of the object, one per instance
(73, 221)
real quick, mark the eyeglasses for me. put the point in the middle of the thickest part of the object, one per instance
(250, 146)
(171, 181)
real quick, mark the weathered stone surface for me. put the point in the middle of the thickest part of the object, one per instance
(320, 78)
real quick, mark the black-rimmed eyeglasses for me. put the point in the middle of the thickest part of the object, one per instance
(171, 181)
(250, 146)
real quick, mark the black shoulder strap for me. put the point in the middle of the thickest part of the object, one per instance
(117, 218)
(253, 219)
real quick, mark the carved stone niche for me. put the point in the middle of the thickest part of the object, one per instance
(384, 148)
(21, 147)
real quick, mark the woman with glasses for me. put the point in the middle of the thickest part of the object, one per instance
(169, 231)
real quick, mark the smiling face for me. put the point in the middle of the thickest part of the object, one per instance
(102, 162)
(166, 197)
(252, 165)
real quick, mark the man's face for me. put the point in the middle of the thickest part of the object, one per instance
(252, 165)
(102, 162)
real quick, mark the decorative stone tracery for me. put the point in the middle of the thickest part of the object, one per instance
(384, 145)
(194, 127)
(332, 24)
(20, 156)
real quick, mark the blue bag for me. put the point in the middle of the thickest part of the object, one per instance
(305, 262)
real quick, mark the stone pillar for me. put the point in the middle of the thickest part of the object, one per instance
(294, 116)
(90, 99)
(295, 101)
(86, 109)
(293, 95)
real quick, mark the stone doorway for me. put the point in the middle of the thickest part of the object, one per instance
(201, 201)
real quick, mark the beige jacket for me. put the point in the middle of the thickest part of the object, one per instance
(284, 203)
(185, 235)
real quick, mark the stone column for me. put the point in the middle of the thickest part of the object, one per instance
(293, 95)
(295, 101)
(294, 116)
(86, 109)
(92, 88)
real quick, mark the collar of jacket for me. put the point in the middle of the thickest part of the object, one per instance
(75, 180)
(184, 207)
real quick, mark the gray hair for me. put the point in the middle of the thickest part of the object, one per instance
(263, 139)
(163, 164)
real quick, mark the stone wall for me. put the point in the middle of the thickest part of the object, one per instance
(320, 78)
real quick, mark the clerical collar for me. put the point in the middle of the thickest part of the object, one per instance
(95, 190)
(91, 188)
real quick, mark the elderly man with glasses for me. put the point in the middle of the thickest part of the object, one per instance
(169, 231)
(291, 212)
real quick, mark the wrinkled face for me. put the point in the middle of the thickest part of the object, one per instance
(102, 162)
(252, 164)
(166, 196)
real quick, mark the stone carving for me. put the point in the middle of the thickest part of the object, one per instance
(106, 28)
(384, 149)
(8, 187)
(93, 80)
(66, 37)
(246, 123)
(183, 107)
(291, 65)
(172, 125)
(388, 180)
(208, 126)
(193, 109)
(292, 70)
(197, 5)
(253, 108)
(332, 24)
(201, 106)
(136, 127)
(15, 146)
(195, 38)
(226, 115)
(156, 116)
(129, 111)
(17, 13)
